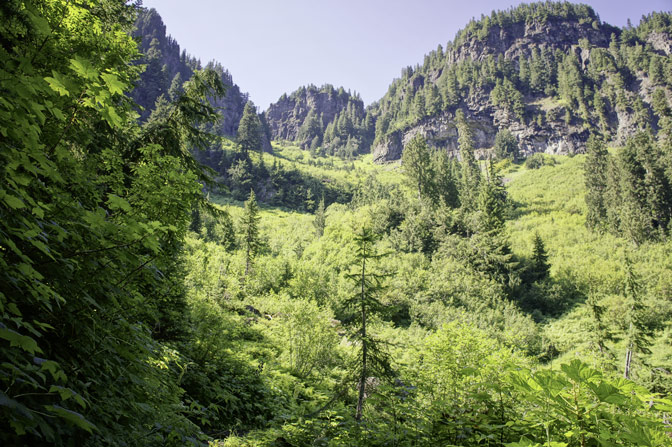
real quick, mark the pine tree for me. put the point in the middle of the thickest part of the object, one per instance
(595, 176)
(249, 131)
(540, 265)
(635, 221)
(445, 184)
(250, 227)
(471, 174)
(492, 202)
(600, 332)
(506, 145)
(365, 302)
(417, 163)
(196, 220)
(524, 73)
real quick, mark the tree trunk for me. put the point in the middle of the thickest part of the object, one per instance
(362, 379)
(628, 359)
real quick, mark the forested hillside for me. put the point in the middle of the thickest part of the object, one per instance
(167, 67)
(166, 280)
(324, 120)
(550, 73)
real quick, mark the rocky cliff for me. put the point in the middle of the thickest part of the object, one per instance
(167, 67)
(286, 116)
(325, 119)
(551, 73)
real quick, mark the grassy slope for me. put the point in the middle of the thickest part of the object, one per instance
(551, 201)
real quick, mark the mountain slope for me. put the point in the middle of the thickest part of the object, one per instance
(325, 117)
(168, 67)
(551, 73)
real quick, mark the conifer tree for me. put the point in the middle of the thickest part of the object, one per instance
(417, 163)
(540, 265)
(612, 196)
(471, 174)
(249, 131)
(250, 227)
(445, 184)
(600, 332)
(506, 145)
(595, 175)
(635, 223)
(365, 302)
(492, 201)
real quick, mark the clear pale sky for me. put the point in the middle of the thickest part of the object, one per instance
(273, 47)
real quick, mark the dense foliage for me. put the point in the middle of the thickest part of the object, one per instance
(444, 301)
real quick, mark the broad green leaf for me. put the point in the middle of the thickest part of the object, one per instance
(22, 341)
(113, 83)
(83, 68)
(57, 86)
(115, 202)
(13, 202)
(71, 416)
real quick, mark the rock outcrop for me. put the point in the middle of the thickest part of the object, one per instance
(286, 116)
(168, 67)
(546, 120)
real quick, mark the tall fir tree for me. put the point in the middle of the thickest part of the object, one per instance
(595, 177)
(250, 229)
(445, 184)
(638, 334)
(635, 221)
(374, 361)
(492, 201)
(417, 163)
(249, 131)
(471, 173)
(540, 265)
(506, 145)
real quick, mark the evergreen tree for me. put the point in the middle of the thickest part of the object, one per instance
(595, 175)
(506, 145)
(635, 220)
(249, 131)
(250, 228)
(600, 332)
(417, 162)
(540, 265)
(374, 361)
(492, 201)
(196, 220)
(612, 196)
(445, 182)
(524, 72)
(471, 173)
(310, 129)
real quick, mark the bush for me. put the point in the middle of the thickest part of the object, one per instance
(535, 161)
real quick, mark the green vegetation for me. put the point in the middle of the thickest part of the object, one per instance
(540, 84)
(440, 302)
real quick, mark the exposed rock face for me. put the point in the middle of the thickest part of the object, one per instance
(661, 42)
(441, 133)
(548, 126)
(167, 65)
(519, 39)
(286, 116)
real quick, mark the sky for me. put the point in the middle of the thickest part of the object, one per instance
(272, 47)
